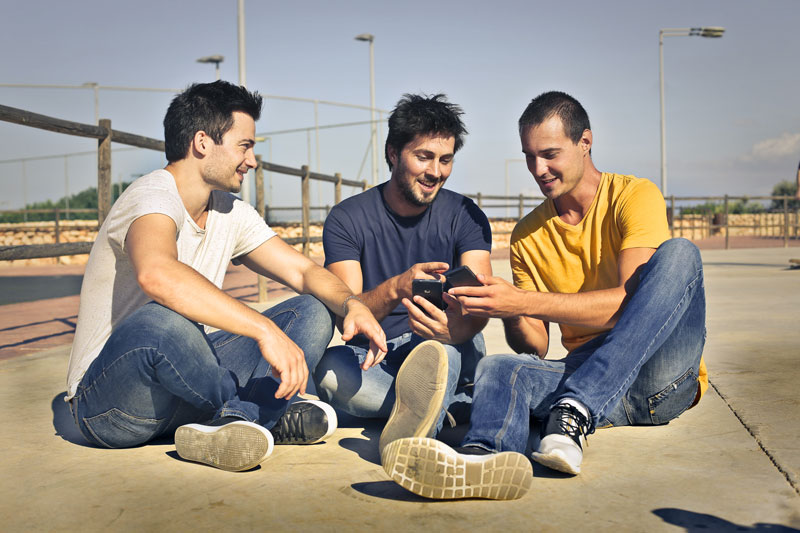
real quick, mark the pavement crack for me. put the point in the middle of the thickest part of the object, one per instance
(753, 434)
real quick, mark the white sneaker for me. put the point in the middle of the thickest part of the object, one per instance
(228, 444)
(563, 439)
(432, 469)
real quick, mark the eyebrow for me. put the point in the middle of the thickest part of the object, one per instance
(429, 153)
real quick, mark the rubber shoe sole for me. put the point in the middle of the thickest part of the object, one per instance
(430, 468)
(420, 388)
(236, 446)
(556, 460)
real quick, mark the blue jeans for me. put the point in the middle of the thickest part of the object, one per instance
(370, 394)
(159, 370)
(641, 372)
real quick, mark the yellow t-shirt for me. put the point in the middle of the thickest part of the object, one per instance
(549, 255)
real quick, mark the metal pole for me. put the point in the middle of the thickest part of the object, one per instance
(243, 83)
(507, 198)
(96, 104)
(24, 193)
(66, 187)
(372, 112)
(663, 118)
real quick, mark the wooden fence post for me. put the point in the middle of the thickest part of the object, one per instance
(306, 196)
(727, 229)
(262, 281)
(57, 228)
(337, 192)
(521, 206)
(104, 173)
(785, 221)
(480, 201)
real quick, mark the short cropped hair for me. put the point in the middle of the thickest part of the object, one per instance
(205, 107)
(423, 115)
(554, 103)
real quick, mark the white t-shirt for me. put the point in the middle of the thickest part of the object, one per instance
(110, 291)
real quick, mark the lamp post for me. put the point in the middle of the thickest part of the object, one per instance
(708, 31)
(368, 37)
(216, 59)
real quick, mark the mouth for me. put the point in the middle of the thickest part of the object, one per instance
(428, 186)
(546, 181)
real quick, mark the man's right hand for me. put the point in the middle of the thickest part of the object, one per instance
(287, 361)
(432, 270)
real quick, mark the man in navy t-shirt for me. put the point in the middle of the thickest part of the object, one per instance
(378, 242)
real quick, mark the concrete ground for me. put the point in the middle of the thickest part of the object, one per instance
(730, 464)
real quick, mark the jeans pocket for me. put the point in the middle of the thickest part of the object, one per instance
(674, 399)
(116, 429)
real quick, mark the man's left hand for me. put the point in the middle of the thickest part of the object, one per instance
(430, 322)
(359, 319)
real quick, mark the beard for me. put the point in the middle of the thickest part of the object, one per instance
(416, 199)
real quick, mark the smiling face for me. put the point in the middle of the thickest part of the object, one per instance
(419, 172)
(557, 164)
(228, 162)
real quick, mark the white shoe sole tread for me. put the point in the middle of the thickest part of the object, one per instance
(234, 447)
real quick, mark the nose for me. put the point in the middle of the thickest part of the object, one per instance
(435, 169)
(537, 166)
(250, 159)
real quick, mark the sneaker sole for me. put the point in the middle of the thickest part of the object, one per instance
(234, 447)
(430, 468)
(333, 422)
(419, 389)
(556, 461)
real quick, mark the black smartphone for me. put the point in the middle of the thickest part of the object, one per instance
(460, 277)
(430, 289)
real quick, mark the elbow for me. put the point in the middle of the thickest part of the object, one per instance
(153, 283)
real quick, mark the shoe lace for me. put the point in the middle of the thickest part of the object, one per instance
(572, 422)
(290, 425)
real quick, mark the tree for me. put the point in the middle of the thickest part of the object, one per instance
(785, 188)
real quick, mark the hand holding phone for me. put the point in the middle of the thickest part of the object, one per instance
(460, 277)
(430, 289)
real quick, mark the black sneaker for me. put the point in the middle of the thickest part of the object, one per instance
(563, 439)
(432, 469)
(305, 422)
(227, 443)
(420, 388)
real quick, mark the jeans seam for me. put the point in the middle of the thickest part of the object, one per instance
(624, 387)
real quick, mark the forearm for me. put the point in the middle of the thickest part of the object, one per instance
(465, 327)
(523, 336)
(383, 299)
(185, 291)
(595, 309)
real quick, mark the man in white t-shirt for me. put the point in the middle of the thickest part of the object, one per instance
(145, 362)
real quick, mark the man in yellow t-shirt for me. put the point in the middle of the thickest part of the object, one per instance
(596, 259)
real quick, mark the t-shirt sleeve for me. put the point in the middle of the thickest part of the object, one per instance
(340, 238)
(642, 216)
(140, 202)
(253, 231)
(474, 231)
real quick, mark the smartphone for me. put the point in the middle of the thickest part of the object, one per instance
(460, 277)
(430, 289)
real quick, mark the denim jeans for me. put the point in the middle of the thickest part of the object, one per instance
(159, 370)
(641, 372)
(370, 394)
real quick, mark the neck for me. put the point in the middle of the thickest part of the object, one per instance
(194, 192)
(574, 205)
(398, 203)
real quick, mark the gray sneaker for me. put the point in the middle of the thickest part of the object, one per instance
(430, 468)
(419, 389)
(228, 443)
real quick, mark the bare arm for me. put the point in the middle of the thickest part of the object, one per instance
(150, 244)
(385, 297)
(600, 308)
(281, 262)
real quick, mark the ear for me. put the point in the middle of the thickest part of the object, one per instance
(202, 143)
(585, 141)
(392, 153)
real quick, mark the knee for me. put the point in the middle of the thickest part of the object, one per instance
(160, 327)
(329, 370)
(679, 252)
(494, 367)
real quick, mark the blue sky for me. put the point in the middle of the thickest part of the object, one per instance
(733, 122)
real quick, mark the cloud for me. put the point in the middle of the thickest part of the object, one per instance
(787, 144)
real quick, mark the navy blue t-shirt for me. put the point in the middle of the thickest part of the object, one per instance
(362, 228)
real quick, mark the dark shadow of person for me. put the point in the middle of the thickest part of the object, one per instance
(700, 522)
(64, 424)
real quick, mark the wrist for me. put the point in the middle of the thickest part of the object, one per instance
(346, 301)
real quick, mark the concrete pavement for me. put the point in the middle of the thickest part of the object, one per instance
(730, 464)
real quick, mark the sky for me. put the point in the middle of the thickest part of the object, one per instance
(732, 117)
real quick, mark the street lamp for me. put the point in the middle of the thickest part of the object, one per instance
(709, 31)
(368, 37)
(216, 59)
